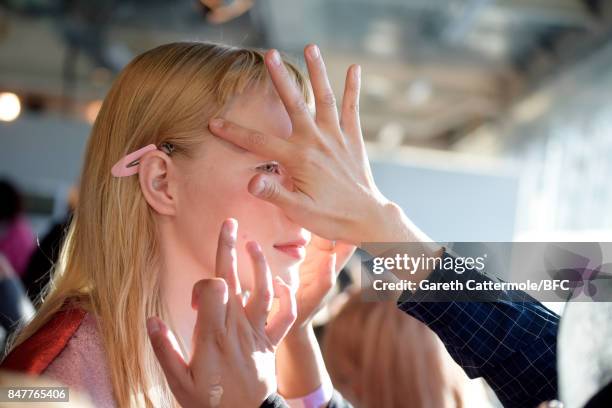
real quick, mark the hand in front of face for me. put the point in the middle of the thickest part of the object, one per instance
(317, 276)
(334, 195)
(233, 362)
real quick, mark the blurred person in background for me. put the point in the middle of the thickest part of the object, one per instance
(17, 240)
(38, 272)
(154, 190)
(379, 357)
(15, 307)
(585, 355)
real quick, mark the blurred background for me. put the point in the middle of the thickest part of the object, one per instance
(486, 120)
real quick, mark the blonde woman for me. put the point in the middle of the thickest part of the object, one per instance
(145, 234)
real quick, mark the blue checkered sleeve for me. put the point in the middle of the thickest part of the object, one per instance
(510, 341)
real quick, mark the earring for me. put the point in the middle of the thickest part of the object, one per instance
(155, 184)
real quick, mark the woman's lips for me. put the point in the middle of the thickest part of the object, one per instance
(295, 251)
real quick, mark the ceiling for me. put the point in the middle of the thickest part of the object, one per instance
(433, 70)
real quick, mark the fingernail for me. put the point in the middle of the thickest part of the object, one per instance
(230, 228)
(313, 52)
(195, 295)
(254, 246)
(216, 123)
(153, 326)
(259, 187)
(276, 60)
(357, 72)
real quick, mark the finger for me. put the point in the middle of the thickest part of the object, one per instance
(170, 359)
(260, 302)
(325, 101)
(326, 277)
(265, 145)
(281, 322)
(292, 98)
(209, 297)
(274, 192)
(349, 116)
(226, 263)
(343, 251)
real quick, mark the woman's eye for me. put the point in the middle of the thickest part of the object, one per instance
(271, 167)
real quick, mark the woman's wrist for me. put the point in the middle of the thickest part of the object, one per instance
(300, 335)
(393, 226)
(300, 365)
(386, 223)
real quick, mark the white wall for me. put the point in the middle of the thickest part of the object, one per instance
(452, 204)
(42, 151)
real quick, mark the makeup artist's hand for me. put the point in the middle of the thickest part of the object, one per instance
(233, 362)
(334, 195)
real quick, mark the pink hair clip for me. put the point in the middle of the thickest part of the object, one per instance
(128, 164)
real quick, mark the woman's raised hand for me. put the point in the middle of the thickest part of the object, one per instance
(233, 361)
(324, 259)
(335, 195)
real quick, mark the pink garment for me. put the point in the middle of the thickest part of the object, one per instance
(17, 243)
(82, 365)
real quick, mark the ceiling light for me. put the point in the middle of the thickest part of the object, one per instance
(10, 106)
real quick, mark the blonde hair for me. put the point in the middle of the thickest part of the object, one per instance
(110, 257)
(384, 358)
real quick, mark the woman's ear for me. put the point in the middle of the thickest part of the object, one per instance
(155, 171)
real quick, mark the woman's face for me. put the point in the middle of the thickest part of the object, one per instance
(213, 187)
